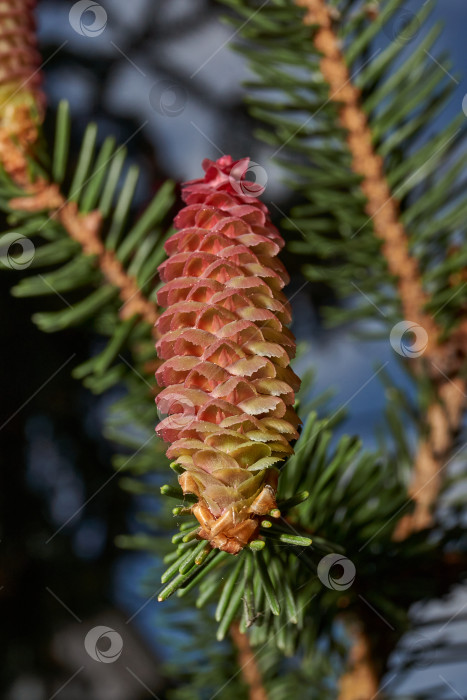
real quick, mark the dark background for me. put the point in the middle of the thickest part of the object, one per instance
(53, 456)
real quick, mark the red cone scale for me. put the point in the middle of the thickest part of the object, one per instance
(228, 389)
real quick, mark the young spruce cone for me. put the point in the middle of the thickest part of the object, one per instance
(21, 100)
(229, 390)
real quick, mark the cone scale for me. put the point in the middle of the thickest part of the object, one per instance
(227, 388)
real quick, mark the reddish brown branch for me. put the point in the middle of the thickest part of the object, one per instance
(248, 665)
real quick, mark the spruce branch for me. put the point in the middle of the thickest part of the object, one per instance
(445, 412)
(22, 110)
(444, 356)
(381, 205)
(83, 227)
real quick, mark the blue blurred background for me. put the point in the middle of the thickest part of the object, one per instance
(161, 77)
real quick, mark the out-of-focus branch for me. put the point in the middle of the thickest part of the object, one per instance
(248, 665)
(361, 681)
(443, 420)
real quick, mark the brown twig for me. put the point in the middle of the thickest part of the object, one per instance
(248, 665)
(441, 361)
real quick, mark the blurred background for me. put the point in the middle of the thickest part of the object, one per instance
(160, 76)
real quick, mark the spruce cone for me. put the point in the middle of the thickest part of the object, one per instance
(229, 390)
(21, 100)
